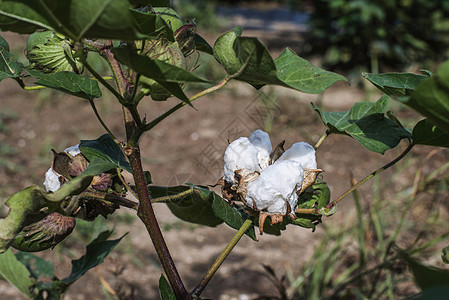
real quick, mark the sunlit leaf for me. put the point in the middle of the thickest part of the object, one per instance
(366, 122)
(16, 273)
(69, 82)
(396, 84)
(431, 98)
(248, 60)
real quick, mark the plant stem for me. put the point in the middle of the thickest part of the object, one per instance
(378, 171)
(220, 259)
(146, 214)
(94, 108)
(191, 99)
(321, 140)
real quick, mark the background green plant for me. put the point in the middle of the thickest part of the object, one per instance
(378, 35)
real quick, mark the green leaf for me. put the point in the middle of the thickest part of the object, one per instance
(425, 133)
(103, 154)
(431, 98)
(110, 19)
(96, 252)
(202, 45)
(248, 60)
(245, 58)
(188, 202)
(366, 123)
(167, 75)
(433, 293)
(70, 83)
(38, 267)
(426, 276)
(16, 273)
(299, 74)
(8, 68)
(152, 25)
(396, 84)
(165, 292)
(232, 217)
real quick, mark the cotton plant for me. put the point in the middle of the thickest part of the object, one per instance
(264, 184)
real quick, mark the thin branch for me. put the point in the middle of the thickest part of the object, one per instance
(220, 259)
(321, 140)
(378, 171)
(94, 108)
(191, 99)
(126, 184)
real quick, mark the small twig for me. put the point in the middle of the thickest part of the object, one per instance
(378, 171)
(182, 104)
(94, 108)
(321, 140)
(126, 184)
(220, 259)
(171, 197)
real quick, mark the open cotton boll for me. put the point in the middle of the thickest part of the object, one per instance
(51, 182)
(302, 153)
(261, 140)
(276, 187)
(74, 150)
(240, 154)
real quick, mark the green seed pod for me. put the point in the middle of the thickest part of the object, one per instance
(51, 53)
(167, 52)
(44, 234)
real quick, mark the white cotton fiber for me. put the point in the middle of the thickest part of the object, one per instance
(261, 140)
(240, 154)
(276, 187)
(302, 153)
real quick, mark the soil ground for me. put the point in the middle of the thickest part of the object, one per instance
(188, 147)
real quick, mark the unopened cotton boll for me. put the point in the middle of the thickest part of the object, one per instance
(276, 188)
(261, 140)
(240, 154)
(51, 182)
(302, 153)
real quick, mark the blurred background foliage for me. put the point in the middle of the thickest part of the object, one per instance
(356, 35)
(376, 35)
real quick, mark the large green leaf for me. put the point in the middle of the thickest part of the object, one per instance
(426, 133)
(69, 82)
(103, 154)
(188, 202)
(396, 84)
(248, 60)
(232, 217)
(299, 74)
(96, 252)
(16, 273)
(76, 19)
(8, 67)
(37, 266)
(431, 98)
(245, 58)
(167, 75)
(366, 122)
(165, 292)
(426, 276)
